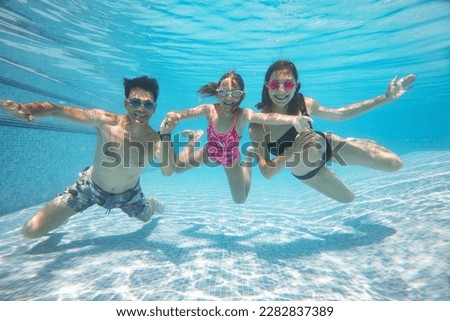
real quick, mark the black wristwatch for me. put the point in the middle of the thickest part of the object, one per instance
(165, 137)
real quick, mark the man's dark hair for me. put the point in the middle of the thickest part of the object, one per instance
(144, 82)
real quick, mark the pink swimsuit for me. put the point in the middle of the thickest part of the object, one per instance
(223, 148)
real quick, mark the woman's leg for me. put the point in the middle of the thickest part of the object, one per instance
(308, 160)
(327, 183)
(363, 152)
(310, 168)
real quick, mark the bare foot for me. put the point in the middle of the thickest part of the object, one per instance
(154, 206)
(252, 149)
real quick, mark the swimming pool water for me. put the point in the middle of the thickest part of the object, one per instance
(287, 242)
(392, 243)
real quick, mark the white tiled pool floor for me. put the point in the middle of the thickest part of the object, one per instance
(391, 243)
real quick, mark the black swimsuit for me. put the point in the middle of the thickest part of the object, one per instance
(286, 141)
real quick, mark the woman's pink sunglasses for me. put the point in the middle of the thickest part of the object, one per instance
(275, 84)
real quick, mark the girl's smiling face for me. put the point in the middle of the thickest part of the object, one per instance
(228, 102)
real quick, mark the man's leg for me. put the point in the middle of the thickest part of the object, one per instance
(53, 215)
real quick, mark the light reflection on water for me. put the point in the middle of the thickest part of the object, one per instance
(391, 243)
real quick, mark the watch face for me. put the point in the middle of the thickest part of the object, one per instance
(165, 137)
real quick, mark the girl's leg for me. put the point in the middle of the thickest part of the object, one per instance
(53, 215)
(239, 178)
(363, 152)
(189, 158)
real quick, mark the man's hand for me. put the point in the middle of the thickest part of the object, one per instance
(397, 87)
(16, 110)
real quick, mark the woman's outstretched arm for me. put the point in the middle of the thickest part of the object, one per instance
(396, 88)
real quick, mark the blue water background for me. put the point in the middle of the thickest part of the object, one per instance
(346, 52)
(287, 242)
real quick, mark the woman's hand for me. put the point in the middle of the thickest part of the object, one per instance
(301, 123)
(397, 87)
(16, 110)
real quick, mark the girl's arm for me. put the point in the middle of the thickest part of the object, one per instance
(299, 122)
(29, 111)
(173, 118)
(396, 88)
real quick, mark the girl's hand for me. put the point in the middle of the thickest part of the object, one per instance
(397, 87)
(16, 110)
(169, 123)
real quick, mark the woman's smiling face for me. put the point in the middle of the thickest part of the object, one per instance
(281, 96)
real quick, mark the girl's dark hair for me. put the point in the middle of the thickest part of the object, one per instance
(144, 82)
(294, 105)
(210, 89)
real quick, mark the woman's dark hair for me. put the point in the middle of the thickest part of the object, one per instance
(144, 82)
(210, 89)
(294, 105)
